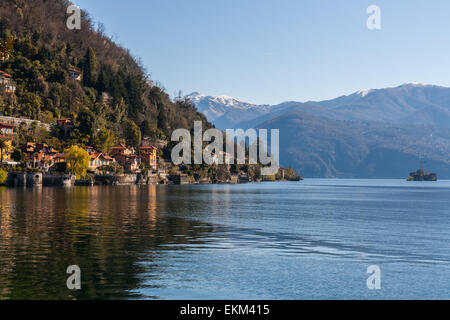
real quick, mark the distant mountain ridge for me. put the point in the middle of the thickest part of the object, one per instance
(226, 111)
(411, 103)
(372, 133)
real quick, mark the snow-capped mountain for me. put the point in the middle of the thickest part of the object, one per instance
(372, 133)
(410, 103)
(226, 112)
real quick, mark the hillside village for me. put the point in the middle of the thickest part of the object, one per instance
(34, 156)
(76, 106)
(50, 161)
(45, 158)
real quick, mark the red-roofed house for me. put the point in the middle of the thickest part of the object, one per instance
(39, 155)
(6, 83)
(125, 157)
(98, 160)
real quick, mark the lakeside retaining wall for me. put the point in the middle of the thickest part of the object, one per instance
(63, 180)
(24, 179)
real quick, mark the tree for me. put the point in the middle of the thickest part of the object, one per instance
(3, 176)
(162, 118)
(146, 129)
(77, 160)
(104, 141)
(18, 155)
(6, 48)
(86, 122)
(3, 146)
(134, 95)
(90, 68)
(104, 79)
(132, 134)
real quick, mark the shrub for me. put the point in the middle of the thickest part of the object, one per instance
(3, 176)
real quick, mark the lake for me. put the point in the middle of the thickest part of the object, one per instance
(313, 239)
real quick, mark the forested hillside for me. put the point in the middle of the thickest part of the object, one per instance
(113, 94)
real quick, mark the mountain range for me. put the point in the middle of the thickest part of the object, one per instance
(372, 133)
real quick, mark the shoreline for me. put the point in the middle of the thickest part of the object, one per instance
(37, 179)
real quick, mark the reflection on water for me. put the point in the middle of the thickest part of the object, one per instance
(305, 240)
(105, 231)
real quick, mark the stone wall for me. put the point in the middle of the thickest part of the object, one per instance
(24, 179)
(28, 122)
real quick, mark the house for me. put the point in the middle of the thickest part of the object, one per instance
(148, 155)
(39, 155)
(99, 159)
(30, 147)
(74, 73)
(121, 149)
(59, 157)
(130, 163)
(65, 124)
(6, 129)
(40, 160)
(126, 158)
(224, 157)
(6, 83)
(227, 157)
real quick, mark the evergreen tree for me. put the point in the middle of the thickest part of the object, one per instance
(89, 68)
(104, 79)
(132, 133)
(162, 118)
(134, 96)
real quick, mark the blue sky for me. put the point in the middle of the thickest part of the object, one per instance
(267, 51)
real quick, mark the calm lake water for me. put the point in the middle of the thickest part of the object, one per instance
(295, 240)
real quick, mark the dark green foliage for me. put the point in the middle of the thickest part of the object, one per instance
(86, 122)
(132, 134)
(90, 68)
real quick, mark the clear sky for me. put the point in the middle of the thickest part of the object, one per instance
(269, 51)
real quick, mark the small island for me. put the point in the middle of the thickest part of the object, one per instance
(421, 175)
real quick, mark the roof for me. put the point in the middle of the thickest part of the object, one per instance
(8, 138)
(120, 146)
(147, 148)
(59, 155)
(74, 69)
(3, 125)
(3, 73)
(98, 155)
